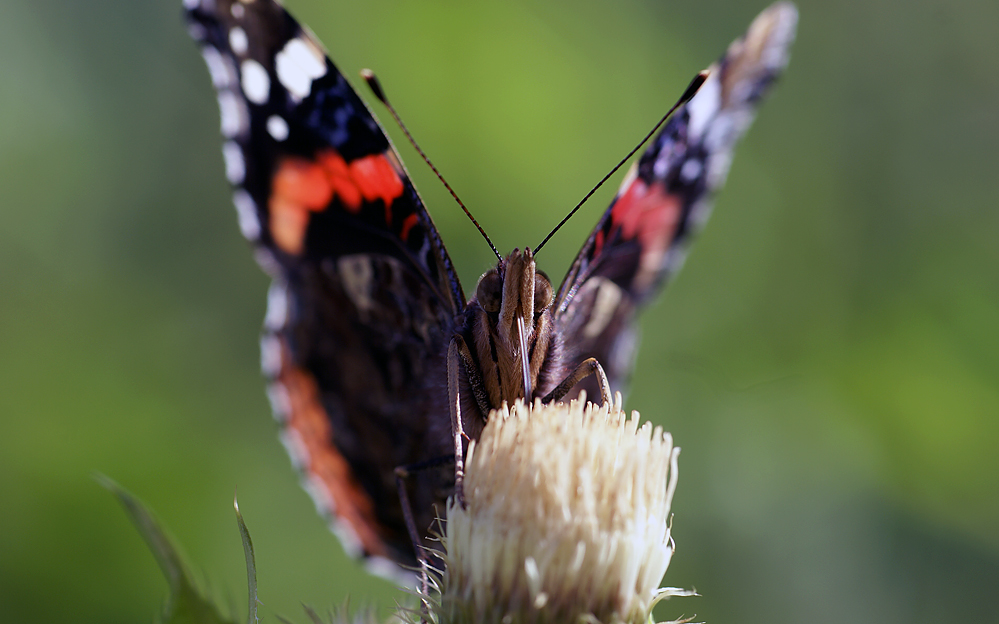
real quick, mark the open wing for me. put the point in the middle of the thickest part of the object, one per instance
(641, 240)
(364, 294)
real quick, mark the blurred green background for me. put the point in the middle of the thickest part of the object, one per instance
(828, 359)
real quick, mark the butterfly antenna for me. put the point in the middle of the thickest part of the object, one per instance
(376, 88)
(691, 90)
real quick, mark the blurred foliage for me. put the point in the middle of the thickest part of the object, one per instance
(828, 358)
(186, 604)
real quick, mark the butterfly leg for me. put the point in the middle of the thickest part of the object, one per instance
(454, 351)
(401, 474)
(587, 367)
(458, 354)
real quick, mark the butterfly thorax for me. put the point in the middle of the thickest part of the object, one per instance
(515, 294)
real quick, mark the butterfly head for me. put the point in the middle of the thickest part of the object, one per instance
(515, 288)
(511, 296)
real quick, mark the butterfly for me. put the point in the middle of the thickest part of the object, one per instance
(374, 356)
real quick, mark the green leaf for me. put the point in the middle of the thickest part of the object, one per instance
(186, 604)
(251, 566)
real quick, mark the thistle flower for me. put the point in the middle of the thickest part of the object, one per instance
(567, 519)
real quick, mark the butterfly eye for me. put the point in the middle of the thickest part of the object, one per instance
(542, 292)
(489, 291)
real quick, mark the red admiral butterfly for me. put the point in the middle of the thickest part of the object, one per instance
(369, 343)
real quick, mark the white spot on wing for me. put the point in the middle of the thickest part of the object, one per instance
(191, 4)
(237, 10)
(256, 82)
(246, 212)
(325, 506)
(277, 127)
(297, 65)
(235, 166)
(296, 449)
(232, 114)
(661, 164)
(704, 106)
(238, 41)
(266, 260)
(219, 68)
(270, 355)
(277, 307)
(280, 402)
(690, 170)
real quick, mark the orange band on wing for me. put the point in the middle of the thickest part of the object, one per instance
(651, 215)
(323, 463)
(301, 186)
(302, 182)
(598, 243)
(377, 179)
(407, 225)
(288, 222)
(339, 176)
(298, 187)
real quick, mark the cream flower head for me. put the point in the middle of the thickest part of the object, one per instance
(566, 519)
